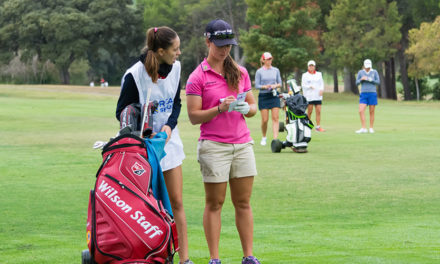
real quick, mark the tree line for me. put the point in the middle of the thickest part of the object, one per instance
(72, 41)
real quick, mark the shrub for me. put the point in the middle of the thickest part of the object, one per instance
(424, 88)
(436, 91)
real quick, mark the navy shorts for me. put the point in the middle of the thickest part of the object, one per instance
(368, 98)
(268, 101)
(317, 102)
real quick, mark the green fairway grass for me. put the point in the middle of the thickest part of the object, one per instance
(353, 198)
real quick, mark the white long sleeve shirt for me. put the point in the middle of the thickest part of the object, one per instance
(311, 85)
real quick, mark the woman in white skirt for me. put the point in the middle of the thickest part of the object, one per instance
(159, 70)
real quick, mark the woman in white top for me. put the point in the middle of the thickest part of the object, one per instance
(313, 88)
(159, 70)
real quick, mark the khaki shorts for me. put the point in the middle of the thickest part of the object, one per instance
(220, 162)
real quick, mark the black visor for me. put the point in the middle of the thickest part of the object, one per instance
(220, 33)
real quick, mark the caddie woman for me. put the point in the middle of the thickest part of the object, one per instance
(159, 70)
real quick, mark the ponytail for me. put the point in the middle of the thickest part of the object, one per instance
(161, 37)
(151, 65)
(232, 73)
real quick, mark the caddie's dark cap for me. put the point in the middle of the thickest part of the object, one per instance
(220, 32)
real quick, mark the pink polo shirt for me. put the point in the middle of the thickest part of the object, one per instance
(226, 127)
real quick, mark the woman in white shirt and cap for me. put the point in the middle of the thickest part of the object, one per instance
(313, 88)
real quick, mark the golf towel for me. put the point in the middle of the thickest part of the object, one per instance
(155, 150)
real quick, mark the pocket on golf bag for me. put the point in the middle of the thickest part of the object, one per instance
(126, 224)
(307, 133)
(297, 132)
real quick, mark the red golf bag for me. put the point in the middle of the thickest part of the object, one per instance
(125, 223)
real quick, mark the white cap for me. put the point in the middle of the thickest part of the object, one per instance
(367, 63)
(266, 56)
(311, 62)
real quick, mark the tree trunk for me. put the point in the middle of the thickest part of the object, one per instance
(335, 81)
(402, 62)
(35, 63)
(232, 22)
(43, 71)
(298, 76)
(417, 88)
(197, 47)
(390, 79)
(381, 92)
(64, 69)
(237, 58)
(347, 83)
(283, 84)
(354, 87)
(350, 82)
(393, 80)
(65, 75)
(388, 94)
(227, 12)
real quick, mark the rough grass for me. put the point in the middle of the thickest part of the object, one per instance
(371, 198)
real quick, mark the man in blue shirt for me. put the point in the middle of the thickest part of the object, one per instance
(368, 78)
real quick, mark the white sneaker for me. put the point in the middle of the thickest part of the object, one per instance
(371, 130)
(361, 131)
(263, 141)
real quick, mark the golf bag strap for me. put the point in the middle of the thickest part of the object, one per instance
(109, 146)
(307, 122)
(110, 149)
(174, 236)
(103, 164)
(296, 116)
(165, 214)
(297, 130)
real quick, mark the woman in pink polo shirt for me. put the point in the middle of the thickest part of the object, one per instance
(225, 148)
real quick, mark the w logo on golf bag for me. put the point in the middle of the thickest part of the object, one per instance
(138, 169)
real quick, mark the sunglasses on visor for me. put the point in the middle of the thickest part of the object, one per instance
(220, 35)
(224, 36)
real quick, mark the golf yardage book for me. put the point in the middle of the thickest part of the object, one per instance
(240, 98)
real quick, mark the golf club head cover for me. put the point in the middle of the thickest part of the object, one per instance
(148, 125)
(131, 117)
